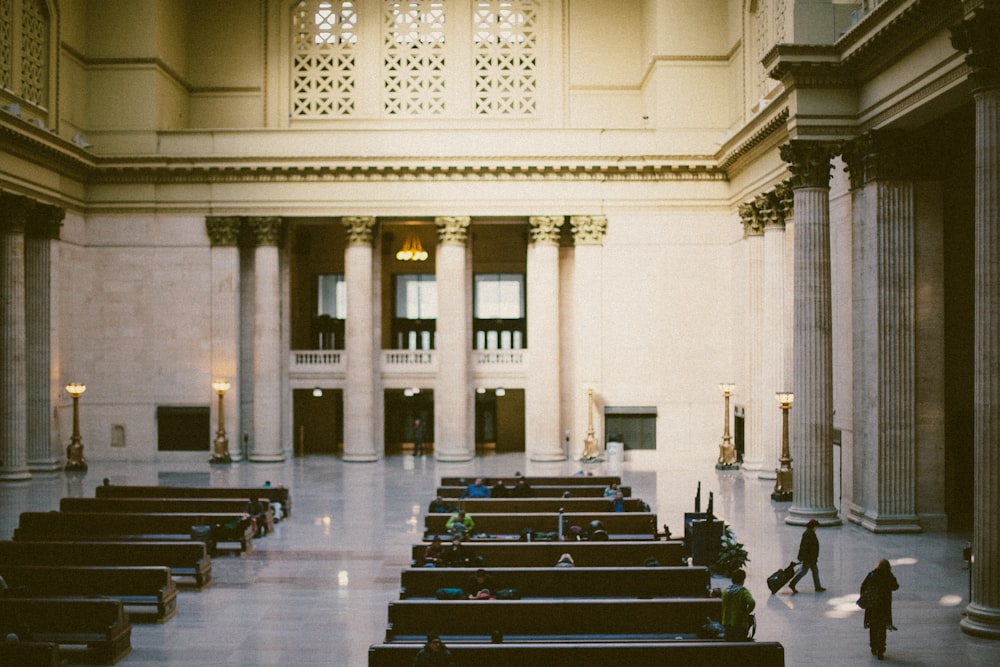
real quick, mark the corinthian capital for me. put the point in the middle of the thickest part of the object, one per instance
(588, 229)
(266, 230)
(979, 38)
(809, 162)
(750, 218)
(453, 228)
(786, 201)
(878, 155)
(359, 229)
(223, 230)
(46, 221)
(545, 228)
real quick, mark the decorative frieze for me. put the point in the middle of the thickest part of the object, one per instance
(588, 229)
(809, 162)
(359, 229)
(267, 231)
(979, 38)
(223, 230)
(545, 228)
(453, 228)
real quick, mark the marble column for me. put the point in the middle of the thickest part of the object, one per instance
(266, 438)
(223, 235)
(542, 430)
(884, 325)
(773, 216)
(755, 391)
(14, 212)
(979, 37)
(359, 347)
(811, 427)
(453, 397)
(587, 333)
(42, 228)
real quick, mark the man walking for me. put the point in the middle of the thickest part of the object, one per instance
(808, 555)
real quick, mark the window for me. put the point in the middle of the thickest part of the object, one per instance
(416, 312)
(24, 50)
(332, 292)
(634, 426)
(498, 311)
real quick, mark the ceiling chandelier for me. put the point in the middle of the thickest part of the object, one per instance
(412, 250)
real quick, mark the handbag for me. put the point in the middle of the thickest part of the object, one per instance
(867, 598)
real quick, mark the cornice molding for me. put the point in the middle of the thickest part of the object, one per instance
(774, 124)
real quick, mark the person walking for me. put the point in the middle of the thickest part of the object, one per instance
(418, 437)
(808, 555)
(737, 605)
(876, 596)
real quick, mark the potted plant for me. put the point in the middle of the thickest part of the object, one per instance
(732, 555)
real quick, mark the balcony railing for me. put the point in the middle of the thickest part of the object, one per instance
(409, 361)
(333, 363)
(317, 362)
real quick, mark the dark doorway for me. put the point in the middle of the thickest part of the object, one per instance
(402, 408)
(318, 421)
(499, 420)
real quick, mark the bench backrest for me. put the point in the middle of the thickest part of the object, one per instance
(160, 505)
(585, 554)
(180, 557)
(273, 493)
(553, 582)
(582, 491)
(621, 523)
(64, 615)
(541, 480)
(529, 505)
(682, 617)
(68, 580)
(57, 525)
(633, 654)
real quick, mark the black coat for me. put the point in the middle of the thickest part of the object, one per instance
(809, 547)
(880, 611)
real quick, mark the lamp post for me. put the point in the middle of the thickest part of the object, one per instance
(590, 452)
(727, 453)
(74, 453)
(783, 483)
(220, 454)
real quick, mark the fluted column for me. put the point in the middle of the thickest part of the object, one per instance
(14, 211)
(811, 428)
(223, 235)
(359, 347)
(266, 445)
(453, 398)
(979, 37)
(587, 334)
(884, 372)
(543, 439)
(42, 228)
(753, 336)
(774, 214)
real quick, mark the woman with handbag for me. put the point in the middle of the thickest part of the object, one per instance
(876, 600)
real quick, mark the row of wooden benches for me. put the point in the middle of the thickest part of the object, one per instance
(86, 567)
(609, 607)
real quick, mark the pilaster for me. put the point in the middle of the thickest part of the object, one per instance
(453, 398)
(811, 428)
(14, 212)
(753, 241)
(359, 347)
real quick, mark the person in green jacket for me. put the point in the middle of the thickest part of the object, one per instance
(737, 605)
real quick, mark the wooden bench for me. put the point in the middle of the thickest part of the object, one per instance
(31, 654)
(99, 624)
(137, 586)
(534, 505)
(585, 554)
(619, 526)
(551, 619)
(275, 494)
(540, 480)
(569, 582)
(101, 526)
(544, 491)
(185, 559)
(264, 514)
(628, 654)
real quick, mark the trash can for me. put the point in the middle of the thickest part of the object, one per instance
(616, 452)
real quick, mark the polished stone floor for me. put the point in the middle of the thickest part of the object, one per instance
(315, 592)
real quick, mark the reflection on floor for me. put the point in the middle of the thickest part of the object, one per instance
(315, 592)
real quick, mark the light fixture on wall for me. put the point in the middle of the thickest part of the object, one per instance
(412, 250)
(317, 392)
(220, 453)
(727, 453)
(74, 453)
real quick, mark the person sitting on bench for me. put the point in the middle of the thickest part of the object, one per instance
(460, 524)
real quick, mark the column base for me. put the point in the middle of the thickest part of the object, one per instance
(800, 516)
(45, 466)
(902, 524)
(446, 457)
(267, 458)
(359, 458)
(546, 457)
(15, 476)
(981, 621)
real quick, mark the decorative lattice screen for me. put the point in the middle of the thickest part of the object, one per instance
(323, 65)
(413, 60)
(7, 44)
(505, 64)
(34, 51)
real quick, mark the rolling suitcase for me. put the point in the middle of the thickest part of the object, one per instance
(777, 580)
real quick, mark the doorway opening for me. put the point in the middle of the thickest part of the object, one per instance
(318, 421)
(499, 420)
(403, 407)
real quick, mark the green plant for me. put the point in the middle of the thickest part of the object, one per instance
(732, 555)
